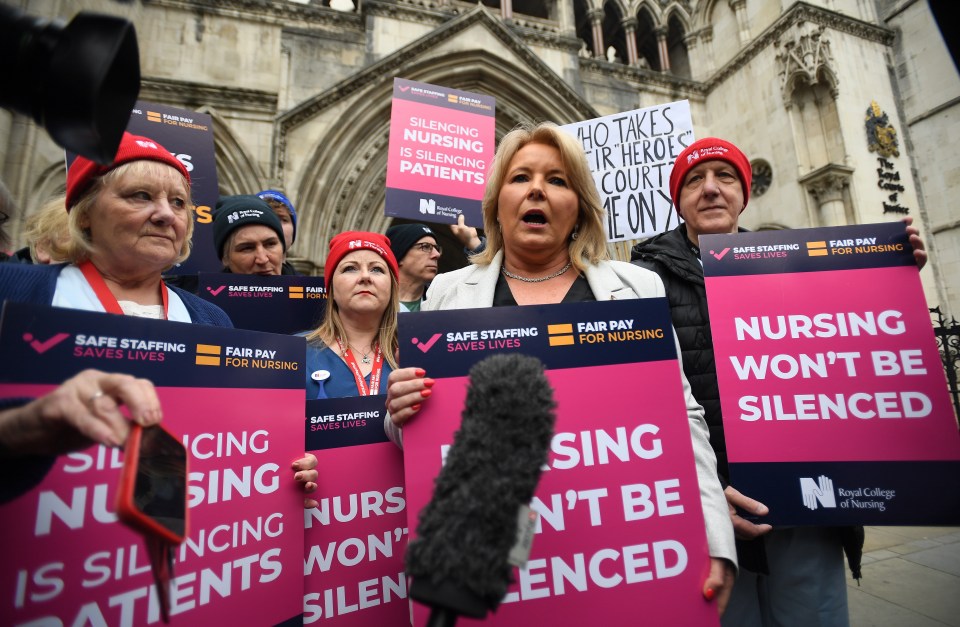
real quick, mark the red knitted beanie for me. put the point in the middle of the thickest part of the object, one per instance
(350, 241)
(710, 149)
(83, 171)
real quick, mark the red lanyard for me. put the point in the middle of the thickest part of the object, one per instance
(107, 299)
(374, 388)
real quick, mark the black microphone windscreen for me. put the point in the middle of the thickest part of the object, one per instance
(466, 531)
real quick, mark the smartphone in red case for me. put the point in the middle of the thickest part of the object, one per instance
(152, 499)
(153, 484)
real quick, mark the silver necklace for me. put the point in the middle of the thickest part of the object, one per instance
(366, 356)
(525, 279)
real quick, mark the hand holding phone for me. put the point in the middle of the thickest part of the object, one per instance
(153, 499)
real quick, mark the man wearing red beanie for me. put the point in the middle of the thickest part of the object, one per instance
(792, 576)
(788, 576)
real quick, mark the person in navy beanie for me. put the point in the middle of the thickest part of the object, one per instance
(248, 236)
(418, 253)
(285, 211)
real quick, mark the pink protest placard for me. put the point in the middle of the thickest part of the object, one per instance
(834, 398)
(67, 558)
(356, 537)
(441, 144)
(621, 525)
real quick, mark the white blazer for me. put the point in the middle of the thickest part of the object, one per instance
(474, 285)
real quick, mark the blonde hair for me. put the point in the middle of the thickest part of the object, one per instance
(590, 247)
(46, 229)
(332, 326)
(79, 247)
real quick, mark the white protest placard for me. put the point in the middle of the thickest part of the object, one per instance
(631, 155)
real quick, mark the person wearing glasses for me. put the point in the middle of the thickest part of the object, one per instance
(418, 253)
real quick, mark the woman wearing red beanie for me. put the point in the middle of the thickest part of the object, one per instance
(353, 351)
(128, 222)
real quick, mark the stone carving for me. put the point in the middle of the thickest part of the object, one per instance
(584, 52)
(804, 57)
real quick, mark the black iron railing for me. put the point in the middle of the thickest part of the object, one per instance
(948, 342)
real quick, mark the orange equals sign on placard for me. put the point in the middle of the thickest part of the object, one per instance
(560, 334)
(208, 355)
(153, 116)
(817, 249)
(452, 98)
(296, 291)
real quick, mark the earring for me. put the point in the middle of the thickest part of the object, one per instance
(576, 232)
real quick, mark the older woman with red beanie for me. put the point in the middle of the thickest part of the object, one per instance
(353, 350)
(129, 221)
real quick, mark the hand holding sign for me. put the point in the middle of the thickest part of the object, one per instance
(743, 528)
(406, 389)
(719, 583)
(916, 242)
(306, 475)
(466, 235)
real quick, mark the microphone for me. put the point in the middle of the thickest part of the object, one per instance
(459, 560)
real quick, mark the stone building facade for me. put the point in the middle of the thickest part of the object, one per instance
(845, 107)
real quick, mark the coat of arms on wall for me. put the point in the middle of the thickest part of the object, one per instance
(881, 136)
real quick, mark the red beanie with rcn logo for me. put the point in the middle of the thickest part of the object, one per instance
(350, 241)
(710, 149)
(83, 171)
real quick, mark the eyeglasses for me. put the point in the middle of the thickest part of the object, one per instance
(426, 247)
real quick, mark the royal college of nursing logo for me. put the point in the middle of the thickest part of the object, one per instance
(428, 205)
(822, 493)
(881, 136)
(818, 492)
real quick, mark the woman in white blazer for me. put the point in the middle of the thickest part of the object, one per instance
(546, 244)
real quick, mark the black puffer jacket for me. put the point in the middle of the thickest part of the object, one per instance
(670, 256)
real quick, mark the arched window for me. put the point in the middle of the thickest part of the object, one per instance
(647, 41)
(581, 18)
(676, 48)
(613, 33)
